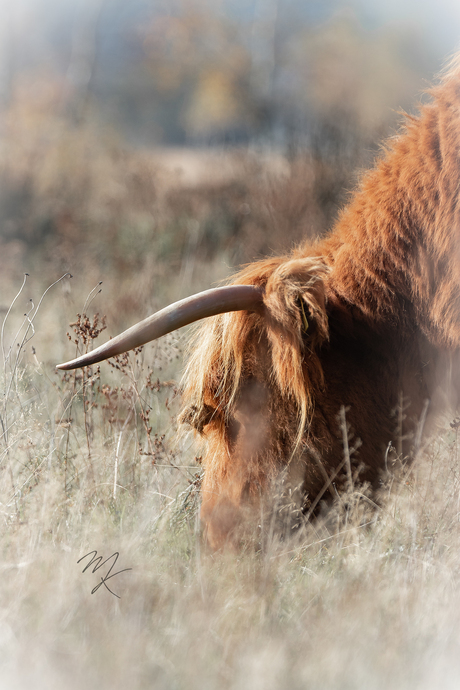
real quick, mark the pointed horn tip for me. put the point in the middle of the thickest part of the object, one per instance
(68, 366)
(83, 361)
(202, 305)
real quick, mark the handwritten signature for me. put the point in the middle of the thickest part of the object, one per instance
(97, 560)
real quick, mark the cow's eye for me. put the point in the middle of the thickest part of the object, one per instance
(198, 416)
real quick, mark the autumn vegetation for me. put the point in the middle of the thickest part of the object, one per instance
(366, 596)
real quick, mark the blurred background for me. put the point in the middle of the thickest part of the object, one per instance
(155, 145)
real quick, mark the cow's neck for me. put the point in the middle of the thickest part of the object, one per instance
(398, 241)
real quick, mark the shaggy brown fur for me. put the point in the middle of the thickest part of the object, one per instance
(358, 320)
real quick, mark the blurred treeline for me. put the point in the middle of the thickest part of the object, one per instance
(293, 96)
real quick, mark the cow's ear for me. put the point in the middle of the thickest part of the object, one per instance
(296, 325)
(295, 302)
(308, 321)
(313, 314)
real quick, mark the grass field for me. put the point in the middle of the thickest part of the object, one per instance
(367, 597)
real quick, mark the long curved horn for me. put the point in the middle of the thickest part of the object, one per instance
(182, 313)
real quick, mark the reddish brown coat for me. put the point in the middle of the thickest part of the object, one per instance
(360, 321)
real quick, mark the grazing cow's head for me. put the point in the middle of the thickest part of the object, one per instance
(278, 394)
(250, 389)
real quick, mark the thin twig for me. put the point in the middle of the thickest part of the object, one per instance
(346, 448)
(321, 541)
(91, 297)
(2, 339)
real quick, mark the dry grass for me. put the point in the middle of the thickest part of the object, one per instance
(365, 598)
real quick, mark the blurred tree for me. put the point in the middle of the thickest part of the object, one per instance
(197, 62)
(339, 71)
(82, 56)
(276, 74)
(198, 71)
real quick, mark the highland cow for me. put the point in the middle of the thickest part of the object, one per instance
(342, 329)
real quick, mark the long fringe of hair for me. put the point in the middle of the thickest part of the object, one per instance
(294, 324)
